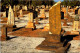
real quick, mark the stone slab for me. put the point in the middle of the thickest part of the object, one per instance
(55, 18)
(3, 33)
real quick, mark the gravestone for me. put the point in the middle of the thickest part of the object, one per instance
(30, 23)
(67, 10)
(14, 7)
(52, 41)
(3, 33)
(36, 22)
(21, 13)
(79, 11)
(25, 7)
(43, 6)
(36, 9)
(4, 14)
(30, 15)
(47, 6)
(55, 19)
(42, 13)
(11, 19)
(17, 7)
(75, 25)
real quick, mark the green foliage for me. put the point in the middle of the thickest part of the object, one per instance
(70, 2)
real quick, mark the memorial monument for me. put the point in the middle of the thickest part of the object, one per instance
(30, 23)
(53, 41)
(75, 25)
(11, 19)
(3, 33)
(42, 13)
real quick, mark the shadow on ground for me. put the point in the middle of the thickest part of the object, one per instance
(9, 38)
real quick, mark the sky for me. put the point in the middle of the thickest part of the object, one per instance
(57, 0)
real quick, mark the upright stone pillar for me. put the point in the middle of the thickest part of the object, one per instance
(21, 13)
(47, 7)
(75, 25)
(43, 6)
(11, 19)
(14, 7)
(42, 13)
(30, 23)
(67, 10)
(52, 41)
(26, 8)
(36, 22)
(4, 14)
(3, 33)
(79, 12)
(55, 19)
(37, 9)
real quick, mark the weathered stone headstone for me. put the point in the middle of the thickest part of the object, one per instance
(21, 13)
(25, 7)
(30, 23)
(76, 23)
(43, 6)
(47, 6)
(11, 18)
(3, 33)
(36, 22)
(4, 14)
(18, 7)
(52, 41)
(79, 11)
(36, 9)
(42, 13)
(55, 19)
(14, 7)
(67, 10)
(30, 15)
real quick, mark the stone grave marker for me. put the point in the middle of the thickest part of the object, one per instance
(42, 13)
(67, 10)
(55, 19)
(47, 6)
(30, 23)
(21, 13)
(43, 6)
(11, 18)
(36, 9)
(30, 15)
(3, 33)
(79, 11)
(14, 7)
(52, 41)
(4, 14)
(75, 25)
(25, 7)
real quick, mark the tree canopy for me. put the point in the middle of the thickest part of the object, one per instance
(71, 3)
